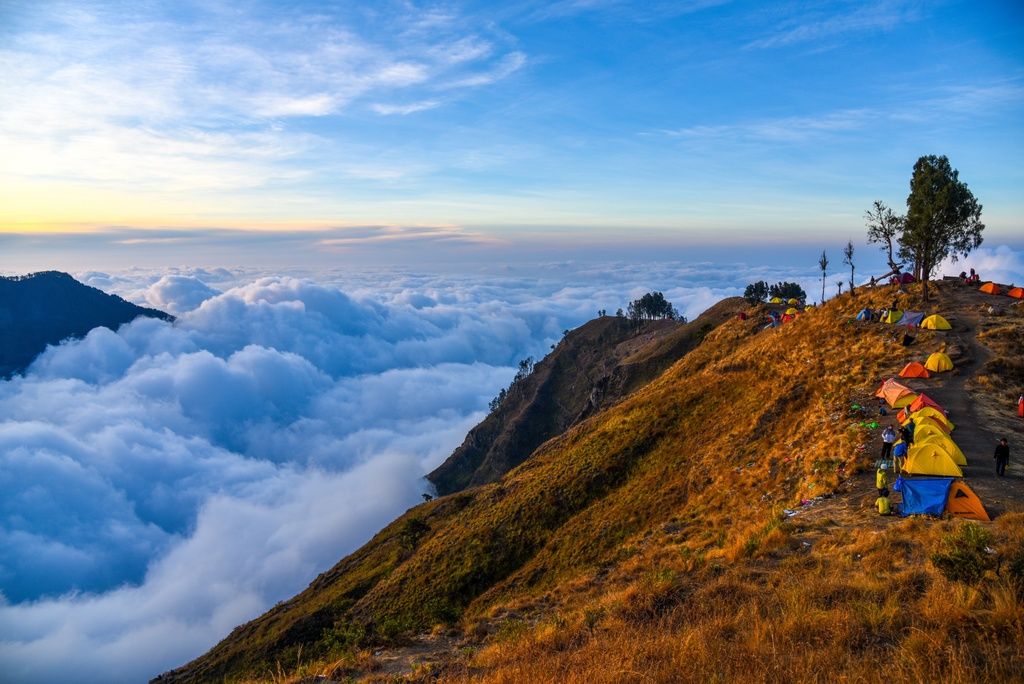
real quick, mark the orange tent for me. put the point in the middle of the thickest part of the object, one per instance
(895, 394)
(964, 503)
(914, 370)
(1016, 292)
(990, 288)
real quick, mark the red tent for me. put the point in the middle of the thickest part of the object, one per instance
(918, 404)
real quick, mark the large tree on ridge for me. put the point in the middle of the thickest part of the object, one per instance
(943, 218)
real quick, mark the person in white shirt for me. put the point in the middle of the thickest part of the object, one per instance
(888, 438)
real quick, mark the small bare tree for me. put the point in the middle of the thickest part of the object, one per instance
(823, 265)
(848, 260)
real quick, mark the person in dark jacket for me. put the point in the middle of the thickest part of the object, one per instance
(1002, 457)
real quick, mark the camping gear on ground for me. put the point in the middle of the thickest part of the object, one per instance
(936, 322)
(864, 315)
(939, 363)
(895, 394)
(1016, 292)
(991, 288)
(893, 316)
(930, 459)
(912, 318)
(914, 370)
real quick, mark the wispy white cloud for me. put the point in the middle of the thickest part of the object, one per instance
(98, 95)
(804, 26)
(386, 109)
(789, 129)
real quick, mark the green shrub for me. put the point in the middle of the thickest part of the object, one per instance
(963, 555)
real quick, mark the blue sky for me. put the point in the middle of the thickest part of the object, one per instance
(406, 129)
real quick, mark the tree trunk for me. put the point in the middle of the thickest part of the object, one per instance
(924, 279)
(822, 287)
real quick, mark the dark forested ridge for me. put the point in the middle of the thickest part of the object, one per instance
(46, 307)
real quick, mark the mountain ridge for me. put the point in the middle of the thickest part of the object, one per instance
(592, 368)
(665, 505)
(48, 307)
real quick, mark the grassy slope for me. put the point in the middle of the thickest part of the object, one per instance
(593, 367)
(650, 538)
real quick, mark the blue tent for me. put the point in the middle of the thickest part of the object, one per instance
(864, 315)
(912, 318)
(924, 495)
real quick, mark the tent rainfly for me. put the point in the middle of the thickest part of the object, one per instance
(964, 503)
(947, 445)
(929, 426)
(936, 322)
(991, 288)
(929, 413)
(924, 496)
(895, 394)
(924, 400)
(939, 363)
(893, 316)
(912, 318)
(864, 315)
(930, 459)
(914, 370)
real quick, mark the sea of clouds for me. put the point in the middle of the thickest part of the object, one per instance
(164, 483)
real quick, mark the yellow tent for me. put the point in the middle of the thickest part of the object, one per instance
(791, 311)
(930, 413)
(775, 300)
(936, 322)
(927, 431)
(793, 300)
(946, 444)
(893, 316)
(964, 503)
(930, 459)
(939, 363)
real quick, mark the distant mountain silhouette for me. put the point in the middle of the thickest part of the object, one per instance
(46, 307)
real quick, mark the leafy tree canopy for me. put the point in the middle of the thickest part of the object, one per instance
(651, 306)
(943, 217)
(756, 292)
(787, 290)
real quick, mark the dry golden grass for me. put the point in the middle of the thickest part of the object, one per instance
(648, 543)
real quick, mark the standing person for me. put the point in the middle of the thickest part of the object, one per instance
(907, 432)
(1002, 457)
(899, 454)
(881, 481)
(888, 438)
